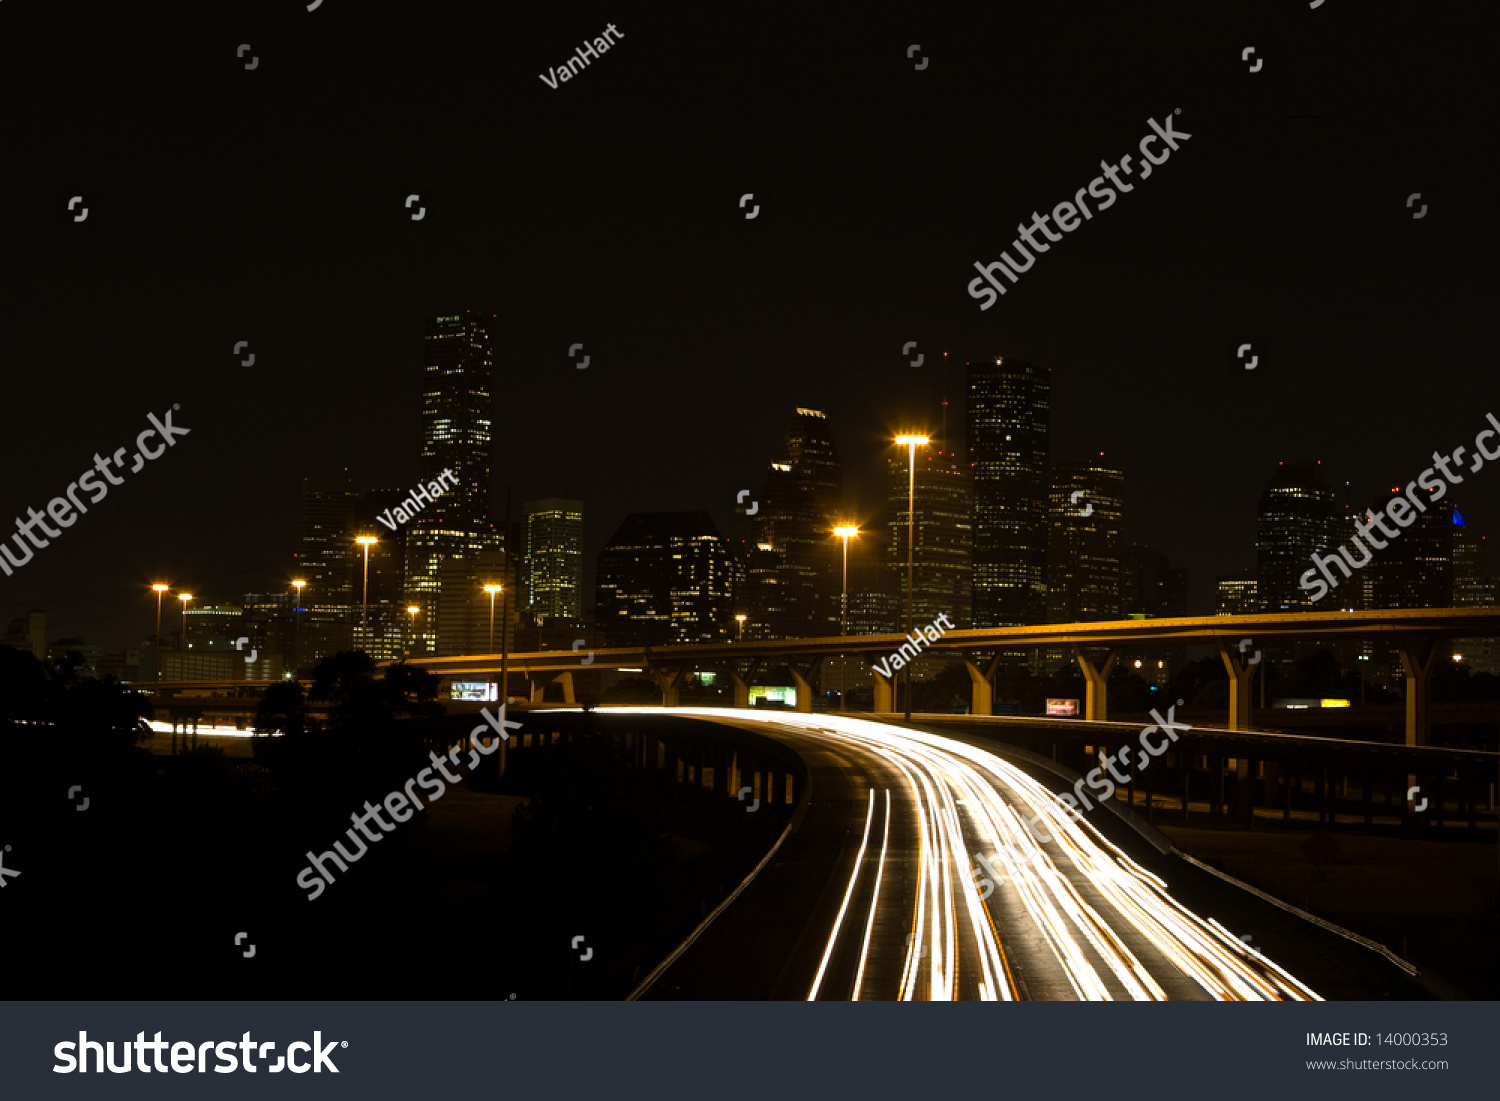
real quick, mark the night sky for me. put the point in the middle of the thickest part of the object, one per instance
(266, 206)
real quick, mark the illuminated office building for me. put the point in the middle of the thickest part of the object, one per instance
(943, 537)
(1007, 421)
(554, 559)
(795, 569)
(458, 375)
(1298, 518)
(664, 578)
(1083, 551)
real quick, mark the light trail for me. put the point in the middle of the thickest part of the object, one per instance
(964, 799)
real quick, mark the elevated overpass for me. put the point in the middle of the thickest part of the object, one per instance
(1413, 633)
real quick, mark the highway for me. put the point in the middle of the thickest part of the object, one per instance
(940, 890)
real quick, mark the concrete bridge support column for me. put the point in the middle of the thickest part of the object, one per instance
(982, 700)
(741, 689)
(1096, 706)
(802, 682)
(1240, 677)
(1417, 656)
(566, 680)
(670, 683)
(885, 693)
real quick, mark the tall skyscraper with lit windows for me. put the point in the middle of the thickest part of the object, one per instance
(554, 559)
(1087, 508)
(1298, 518)
(458, 375)
(795, 571)
(1007, 419)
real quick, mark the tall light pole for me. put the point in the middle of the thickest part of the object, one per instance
(156, 640)
(412, 611)
(844, 532)
(911, 443)
(740, 619)
(364, 603)
(297, 626)
(186, 598)
(492, 590)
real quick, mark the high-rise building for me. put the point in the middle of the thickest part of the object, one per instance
(326, 551)
(1150, 586)
(458, 376)
(1298, 518)
(554, 559)
(1237, 595)
(464, 609)
(1007, 420)
(1473, 588)
(665, 578)
(29, 632)
(794, 573)
(1085, 509)
(1414, 569)
(942, 540)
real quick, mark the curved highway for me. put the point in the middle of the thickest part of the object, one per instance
(956, 875)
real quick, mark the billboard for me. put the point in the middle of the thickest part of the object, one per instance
(772, 695)
(473, 690)
(1064, 708)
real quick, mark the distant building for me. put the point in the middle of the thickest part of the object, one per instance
(1150, 586)
(1415, 569)
(29, 632)
(1298, 518)
(1086, 507)
(1473, 588)
(1008, 415)
(794, 572)
(1237, 595)
(663, 578)
(554, 558)
(464, 608)
(93, 656)
(325, 559)
(942, 541)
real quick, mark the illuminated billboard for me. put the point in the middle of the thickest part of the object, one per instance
(1063, 708)
(772, 695)
(473, 690)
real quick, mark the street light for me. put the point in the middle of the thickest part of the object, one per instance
(297, 624)
(364, 603)
(156, 642)
(844, 532)
(911, 443)
(740, 619)
(186, 599)
(412, 611)
(492, 590)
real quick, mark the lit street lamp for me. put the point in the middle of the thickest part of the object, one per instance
(412, 611)
(740, 619)
(844, 532)
(297, 625)
(186, 599)
(492, 590)
(156, 642)
(364, 603)
(911, 443)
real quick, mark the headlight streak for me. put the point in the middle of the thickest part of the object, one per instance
(943, 774)
(864, 952)
(859, 862)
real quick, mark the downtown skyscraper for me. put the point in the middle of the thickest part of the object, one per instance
(794, 572)
(1086, 507)
(1298, 517)
(554, 559)
(458, 377)
(664, 578)
(1007, 420)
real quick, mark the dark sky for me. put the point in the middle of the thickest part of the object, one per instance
(266, 206)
